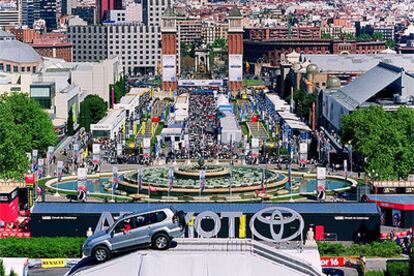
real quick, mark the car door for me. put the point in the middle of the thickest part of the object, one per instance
(119, 239)
(156, 221)
(140, 230)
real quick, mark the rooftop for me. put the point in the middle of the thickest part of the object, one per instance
(19, 52)
(359, 63)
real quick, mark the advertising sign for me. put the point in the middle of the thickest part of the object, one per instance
(40, 169)
(255, 143)
(96, 148)
(29, 179)
(235, 67)
(332, 261)
(59, 170)
(169, 71)
(146, 143)
(303, 152)
(196, 83)
(321, 178)
(115, 178)
(119, 149)
(82, 177)
(53, 263)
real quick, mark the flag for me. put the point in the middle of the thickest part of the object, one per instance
(202, 180)
(231, 178)
(114, 178)
(59, 170)
(139, 180)
(170, 178)
(40, 169)
(263, 179)
(152, 189)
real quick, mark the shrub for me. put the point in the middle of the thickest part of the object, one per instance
(44, 247)
(2, 270)
(374, 273)
(375, 249)
(397, 268)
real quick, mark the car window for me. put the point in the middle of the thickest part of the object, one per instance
(156, 217)
(137, 221)
(119, 227)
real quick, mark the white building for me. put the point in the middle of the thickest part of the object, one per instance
(112, 126)
(96, 78)
(131, 14)
(129, 103)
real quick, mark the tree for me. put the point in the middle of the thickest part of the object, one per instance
(303, 103)
(187, 64)
(347, 36)
(70, 130)
(385, 139)
(220, 43)
(377, 36)
(389, 43)
(24, 126)
(92, 110)
(364, 37)
(326, 36)
(120, 90)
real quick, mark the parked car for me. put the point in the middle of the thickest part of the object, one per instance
(131, 231)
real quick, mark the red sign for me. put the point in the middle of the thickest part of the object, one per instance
(29, 179)
(155, 119)
(332, 261)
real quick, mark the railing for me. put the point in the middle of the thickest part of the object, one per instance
(248, 246)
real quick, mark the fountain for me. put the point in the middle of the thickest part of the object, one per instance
(193, 171)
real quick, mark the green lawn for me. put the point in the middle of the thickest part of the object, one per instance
(252, 82)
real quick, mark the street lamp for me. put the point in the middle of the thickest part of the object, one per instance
(350, 153)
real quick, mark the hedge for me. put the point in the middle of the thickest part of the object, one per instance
(375, 249)
(62, 247)
(399, 268)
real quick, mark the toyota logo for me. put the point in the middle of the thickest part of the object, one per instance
(277, 217)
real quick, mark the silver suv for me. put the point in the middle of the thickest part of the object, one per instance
(156, 228)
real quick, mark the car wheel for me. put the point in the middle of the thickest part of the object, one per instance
(101, 254)
(161, 241)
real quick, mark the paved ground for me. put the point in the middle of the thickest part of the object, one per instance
(48, 272)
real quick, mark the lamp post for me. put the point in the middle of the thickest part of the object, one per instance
(372, 177)
(349, 146)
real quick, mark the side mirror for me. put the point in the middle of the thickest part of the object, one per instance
(112, 234)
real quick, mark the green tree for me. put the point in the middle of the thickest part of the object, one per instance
(364, 37)
(384, 138)
(389, 43)
(220, 43)
(24, 126)
(377, 36)
(303, 103)
(326, 36)
(347, 36)
(92, 110)
(69, 128)
(120, 89)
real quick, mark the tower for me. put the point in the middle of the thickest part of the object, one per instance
(235, 48)
(169, 50)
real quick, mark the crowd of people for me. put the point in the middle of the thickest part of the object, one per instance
(202, 125)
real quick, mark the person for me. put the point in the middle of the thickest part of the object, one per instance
(127, 226)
